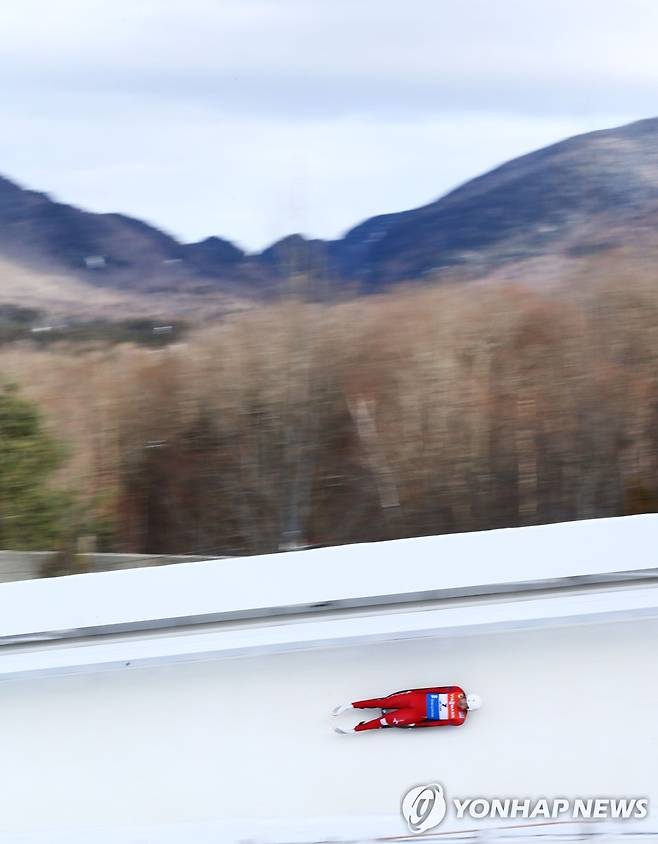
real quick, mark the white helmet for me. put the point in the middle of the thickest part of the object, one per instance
(473, 701)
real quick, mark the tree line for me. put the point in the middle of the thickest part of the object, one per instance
(300, 424)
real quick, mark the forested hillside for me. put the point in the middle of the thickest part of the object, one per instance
(419, 412)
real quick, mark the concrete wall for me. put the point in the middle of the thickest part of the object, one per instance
(28, 565)
(228, 750)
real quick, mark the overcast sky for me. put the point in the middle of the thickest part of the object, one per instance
(251, 119)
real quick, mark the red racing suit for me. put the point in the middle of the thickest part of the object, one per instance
(435, 707)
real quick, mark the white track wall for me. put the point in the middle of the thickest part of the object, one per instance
(214, 725)
(568, 711)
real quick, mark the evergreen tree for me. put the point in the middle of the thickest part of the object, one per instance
(32, 514)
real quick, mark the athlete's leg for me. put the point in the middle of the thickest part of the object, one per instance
(401, 700)
(396, 701)
(372, 703)
(375, 724)
(399, 718)
(405, 717)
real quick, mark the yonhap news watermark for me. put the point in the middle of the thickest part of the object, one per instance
(424, 807)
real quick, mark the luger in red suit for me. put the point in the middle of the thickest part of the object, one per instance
(438, 706)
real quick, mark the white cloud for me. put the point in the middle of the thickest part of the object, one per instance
(254, 118)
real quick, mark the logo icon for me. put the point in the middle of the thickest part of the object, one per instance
(424, 807)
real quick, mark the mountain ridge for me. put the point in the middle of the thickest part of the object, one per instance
(586, 193)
